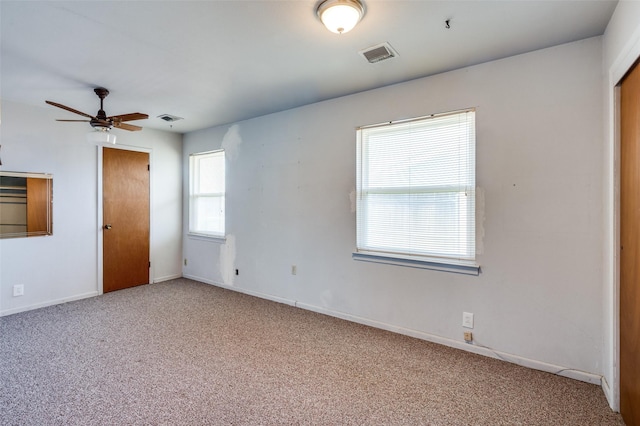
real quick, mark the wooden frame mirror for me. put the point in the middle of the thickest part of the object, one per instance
(26, 204)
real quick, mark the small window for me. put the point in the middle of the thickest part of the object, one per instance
(207, 194)
(416, 189)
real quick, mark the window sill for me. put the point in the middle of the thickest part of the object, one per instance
(458, 267)
(205, 237)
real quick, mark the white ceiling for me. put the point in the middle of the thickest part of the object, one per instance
(216, 62)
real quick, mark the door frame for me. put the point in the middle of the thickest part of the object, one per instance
(611, 352)
(100, 219)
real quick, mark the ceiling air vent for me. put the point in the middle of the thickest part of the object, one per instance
(378, 53)
(169, 118)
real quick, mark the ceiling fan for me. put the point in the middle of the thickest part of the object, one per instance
(100, 121)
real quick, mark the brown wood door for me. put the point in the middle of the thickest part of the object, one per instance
(125, 191)
(630, 248)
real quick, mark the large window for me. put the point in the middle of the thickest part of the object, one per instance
(207, 194)
(416, 189)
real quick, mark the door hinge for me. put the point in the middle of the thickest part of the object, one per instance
(149, 167)
(149, 264)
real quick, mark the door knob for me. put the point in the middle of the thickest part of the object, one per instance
(107, 227)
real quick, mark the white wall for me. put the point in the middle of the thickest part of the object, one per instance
(291, 176)
(621, 48)
(64, 266)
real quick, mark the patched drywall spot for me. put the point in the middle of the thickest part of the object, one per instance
(326, 296)
(352, 199)
(231, 142)
(480, 220)
(228, 260)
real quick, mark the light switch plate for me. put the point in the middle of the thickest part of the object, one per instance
(467, 320)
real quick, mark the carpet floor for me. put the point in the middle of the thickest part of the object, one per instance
(187, 353)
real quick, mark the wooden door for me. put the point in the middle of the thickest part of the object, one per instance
(125, 191)
(630, 248)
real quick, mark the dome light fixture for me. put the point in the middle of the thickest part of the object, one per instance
(340, 16)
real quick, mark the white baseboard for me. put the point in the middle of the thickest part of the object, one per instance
(167, 278)
(242, 290)
(72, 298)
(480, 350)
(469, 347)
(608, 393)
(476, 349)
(48, 303)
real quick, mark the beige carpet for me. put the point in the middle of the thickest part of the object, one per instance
(186, 353)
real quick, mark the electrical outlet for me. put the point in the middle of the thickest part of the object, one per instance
(467, 320)
(294, 270)
(18, 290)
(185, 261)
(237, 272)
(468, 336)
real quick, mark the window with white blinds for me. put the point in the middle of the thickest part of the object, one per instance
(416, 189)
(207, 194)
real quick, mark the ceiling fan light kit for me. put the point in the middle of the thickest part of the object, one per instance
(102, 123)
(101, 137)
(340, 16)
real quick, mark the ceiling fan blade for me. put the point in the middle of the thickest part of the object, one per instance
(83, 121)
(125, 126)
(129, 117)
(69, 109)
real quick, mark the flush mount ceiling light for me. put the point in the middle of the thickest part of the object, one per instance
(340, 16)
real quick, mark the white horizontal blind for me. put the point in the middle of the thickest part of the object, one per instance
(207, 193)
(416, 188)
